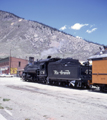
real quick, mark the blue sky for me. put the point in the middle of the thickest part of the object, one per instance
(86, 19)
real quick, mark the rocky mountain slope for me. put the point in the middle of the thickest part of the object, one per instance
(30, 38)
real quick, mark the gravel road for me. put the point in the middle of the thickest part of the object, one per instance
(33, 101)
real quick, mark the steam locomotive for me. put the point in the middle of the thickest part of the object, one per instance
(58, 71)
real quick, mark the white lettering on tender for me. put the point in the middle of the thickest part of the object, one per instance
(56, 72)
(66, 72)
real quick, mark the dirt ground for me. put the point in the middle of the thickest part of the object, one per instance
(33, 101)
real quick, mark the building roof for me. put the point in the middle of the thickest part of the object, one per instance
(7, 59)
(4, 59)
(101, 54)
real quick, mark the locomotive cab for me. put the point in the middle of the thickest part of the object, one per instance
(42, 68)
(42, 72)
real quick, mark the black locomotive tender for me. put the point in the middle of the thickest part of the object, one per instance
(66, 71)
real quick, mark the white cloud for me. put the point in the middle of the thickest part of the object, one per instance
(90, 31)
(78, 26)
(63, 28)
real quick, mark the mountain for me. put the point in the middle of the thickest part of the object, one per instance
(26, 38)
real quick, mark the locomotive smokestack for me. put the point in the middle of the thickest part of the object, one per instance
(31, 60)
(48, 57)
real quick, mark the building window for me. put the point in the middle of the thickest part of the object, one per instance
(19, 64)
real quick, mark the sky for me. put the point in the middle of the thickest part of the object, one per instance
(86, 19)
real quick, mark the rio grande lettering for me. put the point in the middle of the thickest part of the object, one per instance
(66, 72)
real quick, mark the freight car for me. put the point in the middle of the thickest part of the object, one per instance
(58, 71)
(99, 69)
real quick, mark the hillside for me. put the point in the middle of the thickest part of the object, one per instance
(30, 38)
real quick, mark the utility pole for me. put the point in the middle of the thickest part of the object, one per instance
(10, 63)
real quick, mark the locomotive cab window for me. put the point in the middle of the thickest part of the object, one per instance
(42, 66)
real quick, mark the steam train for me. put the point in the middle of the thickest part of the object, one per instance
(58, 71)
(68, 71)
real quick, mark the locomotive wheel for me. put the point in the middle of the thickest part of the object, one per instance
(70, 85)
(53, 82)
(59, 83)
(102, 88)
(47, 82)
(63, 84)
(82, 86)
(24, 78)
(44, 81)
(88, 87)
